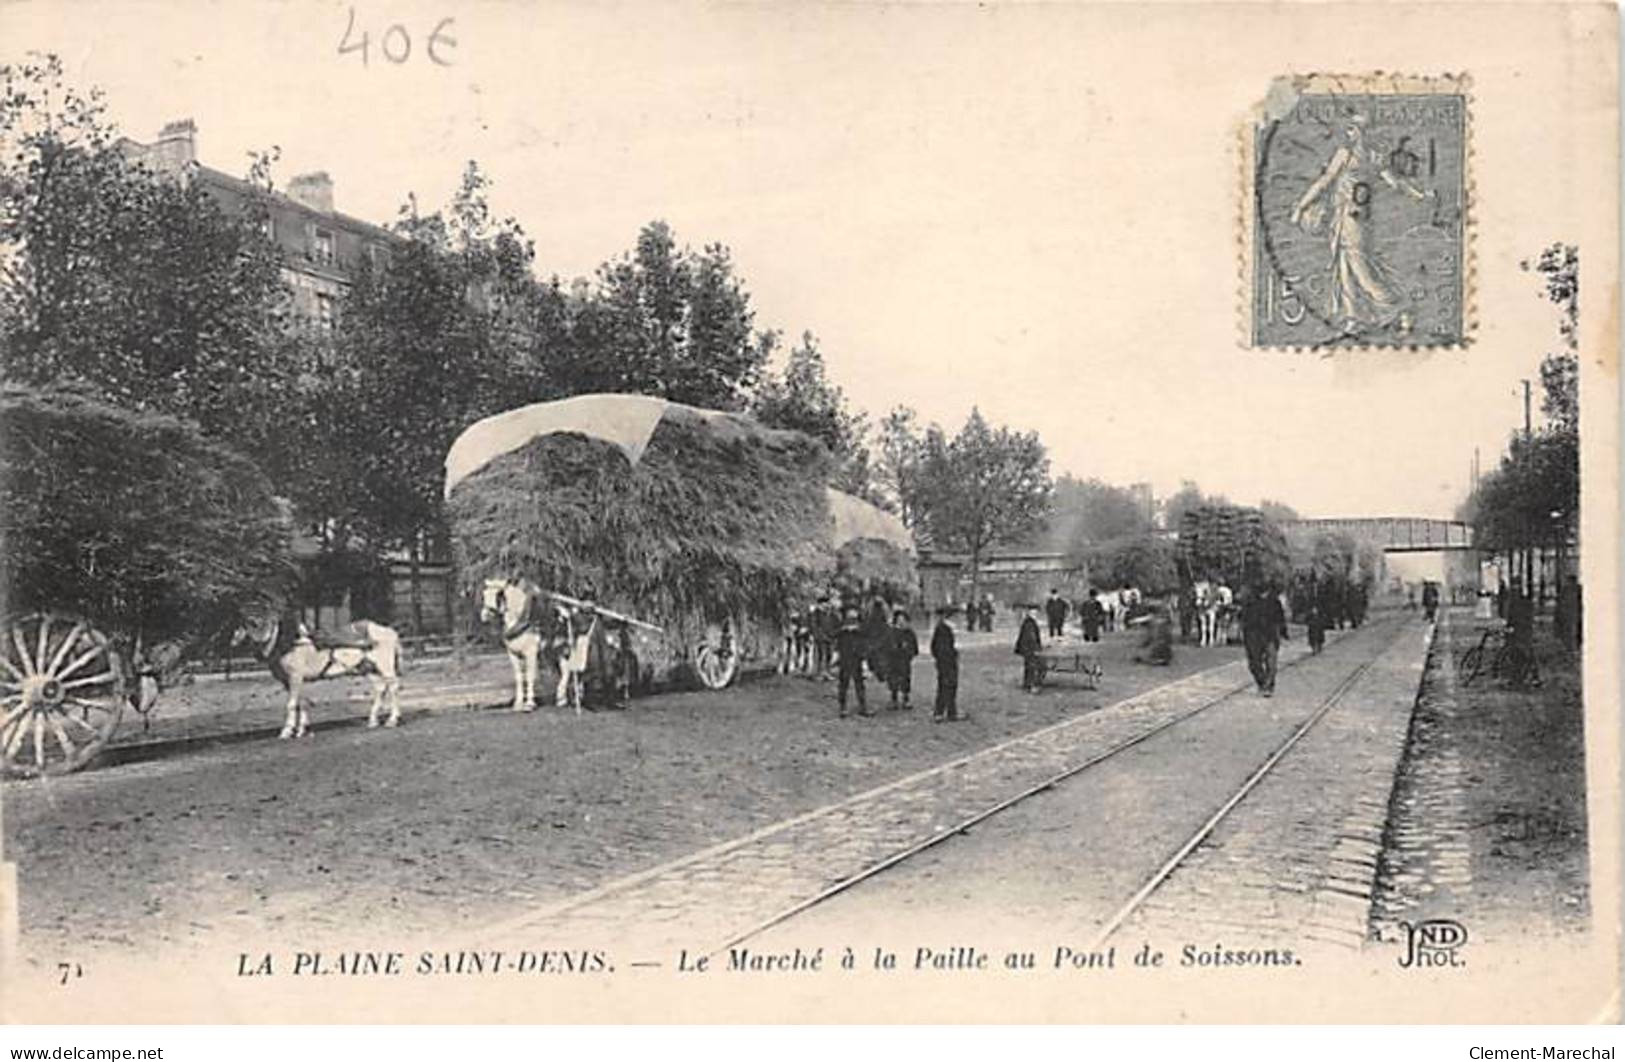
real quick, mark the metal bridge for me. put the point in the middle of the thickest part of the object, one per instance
(1391, 534)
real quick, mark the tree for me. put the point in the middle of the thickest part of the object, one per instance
(661, 321)
(1188, 498)
(981, 487)
(137, 285)
(897, 472)
(1559, 266)
(802, 398)
(1280, 512)
(1142, 561)
(1085, 513)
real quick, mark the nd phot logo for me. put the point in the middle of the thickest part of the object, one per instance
(1436, 942)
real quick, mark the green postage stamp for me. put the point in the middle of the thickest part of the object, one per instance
(1356, 214)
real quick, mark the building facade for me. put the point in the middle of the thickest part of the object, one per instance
(322, 248)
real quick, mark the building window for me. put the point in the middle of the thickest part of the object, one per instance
(322, 249)
(268, 228)
(378, 256)
(324, 312)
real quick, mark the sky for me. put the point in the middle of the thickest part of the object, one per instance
(1029, 209)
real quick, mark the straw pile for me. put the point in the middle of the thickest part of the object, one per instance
(720, 517)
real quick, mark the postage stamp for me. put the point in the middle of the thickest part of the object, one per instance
(1355, 217)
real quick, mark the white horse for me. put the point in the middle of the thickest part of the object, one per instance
(1206, 596)
(296, 656)
(529, 629)
(1111, 609)
(1226, 600)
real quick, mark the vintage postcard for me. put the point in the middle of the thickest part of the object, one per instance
(899, 513)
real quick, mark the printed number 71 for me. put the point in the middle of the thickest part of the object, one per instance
(69, 970)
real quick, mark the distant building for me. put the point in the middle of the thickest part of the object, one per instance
(321, 248)
(1013, 577)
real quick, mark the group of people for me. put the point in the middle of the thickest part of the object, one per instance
(844, 636)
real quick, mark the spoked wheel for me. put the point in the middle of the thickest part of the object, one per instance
(716, 660)
(61, 693)
(1471, 663)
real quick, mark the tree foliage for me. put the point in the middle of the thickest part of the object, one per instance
(1086, 513)
(804, 399)
(985, 485)
(139, 287)
(1188, 498)
(674, 323)
(1143, 561)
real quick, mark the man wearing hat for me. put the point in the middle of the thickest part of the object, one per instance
(901, 650)
(849, 646)
(825, 623)
(946, 655)
(1055, 610)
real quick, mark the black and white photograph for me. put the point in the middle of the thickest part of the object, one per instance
(809, 513)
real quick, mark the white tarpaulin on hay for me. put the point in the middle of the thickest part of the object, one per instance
(625, 420)
(628, 421)
(856, 518)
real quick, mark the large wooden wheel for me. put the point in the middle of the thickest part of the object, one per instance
(716, 659)
(61, 693)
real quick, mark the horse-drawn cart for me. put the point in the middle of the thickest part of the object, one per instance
(707, 525)
(127, 540)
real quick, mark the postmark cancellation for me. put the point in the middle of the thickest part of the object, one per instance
(1355, 214)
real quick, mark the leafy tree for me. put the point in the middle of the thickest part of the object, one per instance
(981, 487)
(666, 322)
(1187, 499)
(1559, 266)
(1142, 561)
(1088, 512)
(138, 286)
(1280, 512)
(897, 471)
(803, 398)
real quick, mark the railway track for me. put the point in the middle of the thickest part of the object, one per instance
(685, 897)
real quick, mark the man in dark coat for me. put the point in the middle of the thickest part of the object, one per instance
(1430, 600)
(877, 637)
(902, 650)
(1055, 610)
(1028, 645)
(1092, 615)
(826, 621)
(849, 651)
(946, 655)
(1263, 625)
(1316, 622)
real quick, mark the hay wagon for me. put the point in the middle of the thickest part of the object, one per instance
(127, 541)
(706, 523)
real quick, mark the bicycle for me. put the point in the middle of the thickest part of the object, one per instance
(1510, 662)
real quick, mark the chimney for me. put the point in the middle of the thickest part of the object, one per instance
(176, 146)
(314, 190)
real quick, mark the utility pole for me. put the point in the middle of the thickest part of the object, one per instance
(1526, 423)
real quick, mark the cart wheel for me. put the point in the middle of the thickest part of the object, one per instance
(61, 693)
(716, 660)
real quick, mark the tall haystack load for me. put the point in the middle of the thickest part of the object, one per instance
(705, 523)
(1234, 545)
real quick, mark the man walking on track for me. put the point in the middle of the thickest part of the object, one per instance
(1055, 610)
(849, 651)
(1263, 625)
(946, 654)
(1028, 645)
